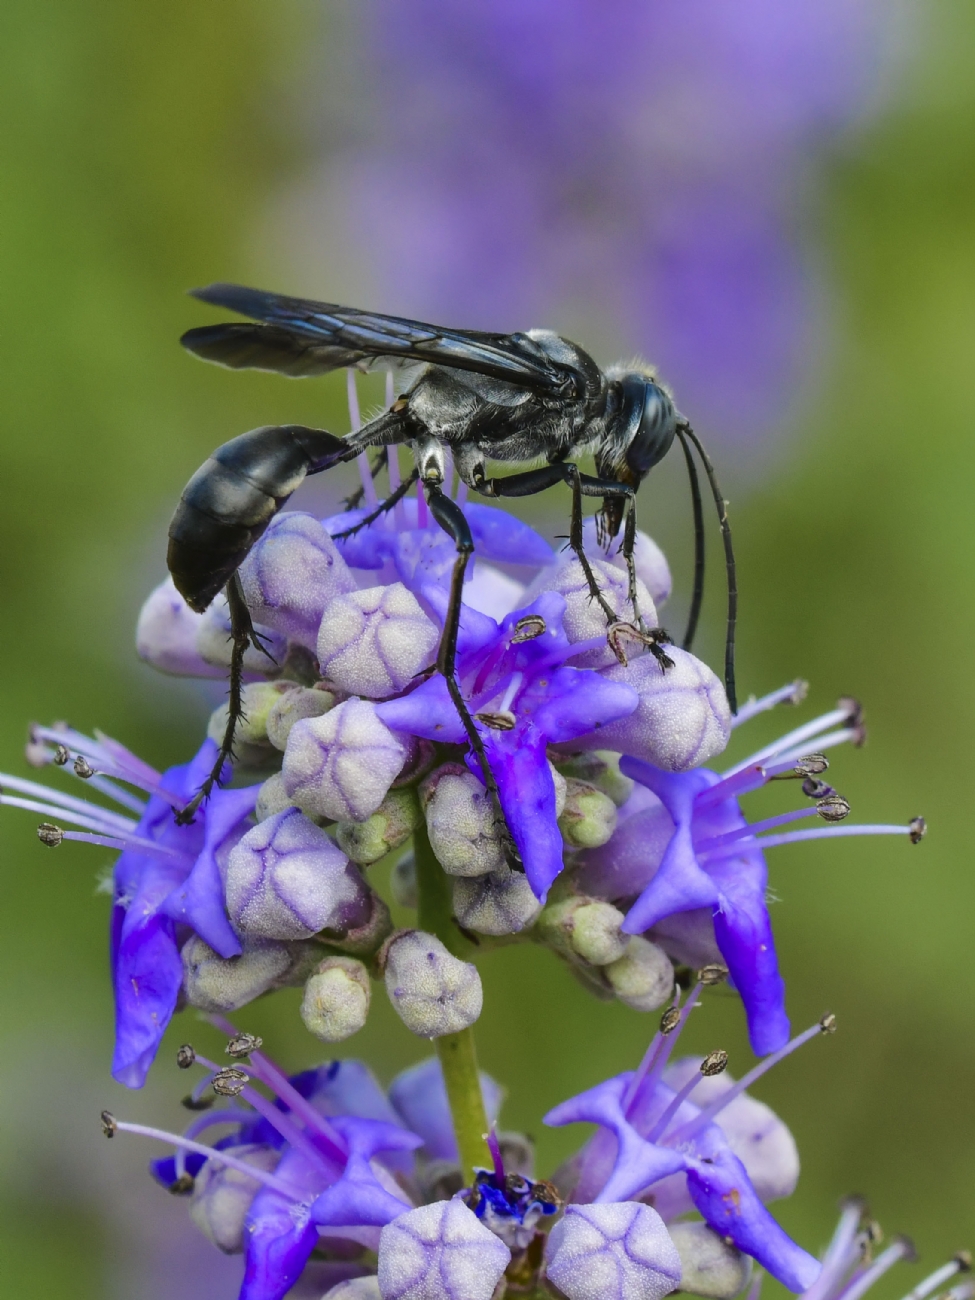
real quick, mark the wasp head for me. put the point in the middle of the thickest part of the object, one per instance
(640, 426)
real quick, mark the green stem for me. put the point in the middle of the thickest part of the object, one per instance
(457, 1052)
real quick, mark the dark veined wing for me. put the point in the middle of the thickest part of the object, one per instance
(298, 337)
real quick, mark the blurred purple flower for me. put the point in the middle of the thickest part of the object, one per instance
(627, 166)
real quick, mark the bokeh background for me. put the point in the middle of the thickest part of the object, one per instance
(777, 202)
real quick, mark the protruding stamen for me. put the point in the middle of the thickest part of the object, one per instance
(83, 768)
(662, 1045)
(109, 1124)
(783, 747)
(494, 1146)
(917, 828)
(714, 1063)
(794, 837)
(221, 1157)
(185, 1056)
(243, 1045)
(807, 765)
(751, 829)
(50, 834)
(97, 816)
(794, 693)
(670, 1020)
(899, 1248)
(741, 782)
(960, 1263)
(712, 974)
(694, 1126)
(229, 1082)
(61, 755)
(833, 808)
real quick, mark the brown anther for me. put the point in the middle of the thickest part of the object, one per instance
(963, 1258)
(873, 1232)
(502, 721)
(109, 1124)
(83, 768)
(917, 828)
(185, 1056)
(243, 1045)
(190, 1102)
(713, 974)
(855, 718)
(61, 755)
(811, 765)
(814, 789)
(229, 1082)
(50, 834)
(528, 628)
(800, 689)
(183, 1185)
(834, 808)
(828, 1024)
(714, 1063)
(670, 1020)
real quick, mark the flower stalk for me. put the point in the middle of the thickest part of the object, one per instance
(457, 1052)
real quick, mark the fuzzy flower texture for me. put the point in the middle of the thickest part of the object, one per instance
(637, 868)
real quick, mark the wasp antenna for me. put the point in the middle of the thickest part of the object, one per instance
(729, 554)
(698, 596)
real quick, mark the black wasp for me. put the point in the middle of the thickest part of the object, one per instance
(485, 397)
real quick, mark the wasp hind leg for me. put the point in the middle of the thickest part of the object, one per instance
(243, 635)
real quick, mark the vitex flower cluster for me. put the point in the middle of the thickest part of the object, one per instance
(633, 862)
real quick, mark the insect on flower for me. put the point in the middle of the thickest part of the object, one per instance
(513, 398)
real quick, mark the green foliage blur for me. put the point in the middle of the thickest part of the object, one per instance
(140, 146)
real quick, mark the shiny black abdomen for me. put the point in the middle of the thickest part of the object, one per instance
(232, 498)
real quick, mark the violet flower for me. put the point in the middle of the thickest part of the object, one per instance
(696, 868)
(167, 875)
(634, 167)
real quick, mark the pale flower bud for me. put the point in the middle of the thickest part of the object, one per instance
(709, 1266)
(215, 983)
(373, 642)
(584, 618)
(165, 635)
(601, 768)
(501, 902)
(643, 977)
(292, 574)
(356, 1288)
(434, 992)
(285, 879)
(272, 798)
(215, 646)
(461, 822)
(222, 1196)
(584, 927)
(293, 705)
(648, 559)
(440, 1252)
(618, 1250)
(402, 882)
(336, 1001)
(391, 825)
(251, 743)
(341, 764)
(589, 816)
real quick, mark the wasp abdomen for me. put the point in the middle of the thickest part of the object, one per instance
(232, 498)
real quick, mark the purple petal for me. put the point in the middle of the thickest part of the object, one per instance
(499, 535)
(527, 794)
(358, 1197)
(428, 711)
(577, 701)
(723, 1195)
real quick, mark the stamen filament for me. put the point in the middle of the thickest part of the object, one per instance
(788, 742)
(673, 1106)
(691, 1129)
(125, 797)
(116, 842)
(221, 1157)
(658, 1053)
(898, 1249)
(112, 758)
(210, 1120)
(752, 828)
(514, 686)
(843, 1250)
(793, 693)
(742, 782)
(936, 1279)
(829, 741)
(793, 837)
(83, 806)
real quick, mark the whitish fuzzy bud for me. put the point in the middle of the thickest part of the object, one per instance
(589, 816)
(293, 705)
(292, 574)
(440, 1252)
(251, 743)
(165, 635)
(402, 882)
(356, 1288)
(584, 619)
(367, 939)
(391, 825)
(600, 768)
(373, 642)
(643, 977)
(222, 1196)
(461, 822)
(434, 992)
(619, 1250)
(272, 798)
(682, 718)
(215, 645)
(285, 879)
(499, 903)
(336, 1001)
(709, 1266)
(342, 764)
(584, 927)
(648, 559)
(215, 983)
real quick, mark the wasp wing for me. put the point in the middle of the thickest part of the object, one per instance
(295, 336)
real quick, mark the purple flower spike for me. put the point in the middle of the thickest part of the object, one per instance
(292, 574)
(374, 642)
(440, 1252)
(723, 1194)
(340, 765)
(616, 1251)
(287, 880)
(682, 719)
(165, 635)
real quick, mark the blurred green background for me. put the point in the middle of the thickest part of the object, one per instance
(139, 150)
